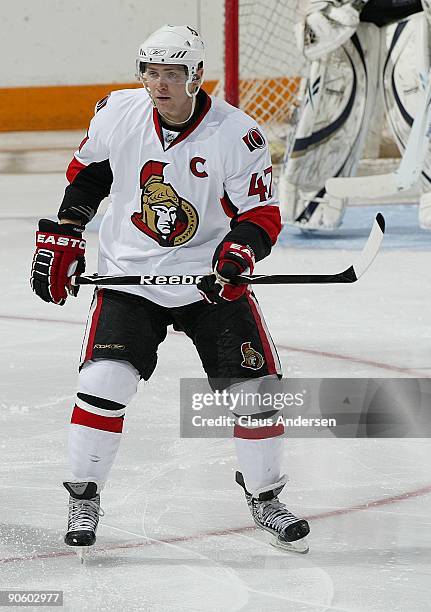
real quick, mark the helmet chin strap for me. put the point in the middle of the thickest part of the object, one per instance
(190, 95)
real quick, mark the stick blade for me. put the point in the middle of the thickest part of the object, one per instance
(380, 220)
(370, 187)
(372, 246)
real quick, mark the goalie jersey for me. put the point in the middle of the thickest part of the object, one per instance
(174, 196)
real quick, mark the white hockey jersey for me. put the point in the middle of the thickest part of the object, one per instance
(172, 202)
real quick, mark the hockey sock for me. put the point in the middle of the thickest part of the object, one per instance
(105, 387)
(259, 459)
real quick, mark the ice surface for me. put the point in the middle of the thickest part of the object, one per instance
(177, 534)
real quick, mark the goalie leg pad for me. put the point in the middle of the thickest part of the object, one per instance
(331, 131)
(402, 90)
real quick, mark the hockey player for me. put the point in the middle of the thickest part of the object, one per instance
(352, 63)
(190, 184)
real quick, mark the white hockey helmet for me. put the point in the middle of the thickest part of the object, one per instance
(169, 44)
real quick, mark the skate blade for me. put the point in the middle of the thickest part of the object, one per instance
(83, 553)
(300, 546)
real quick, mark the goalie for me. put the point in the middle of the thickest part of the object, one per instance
(358, 66)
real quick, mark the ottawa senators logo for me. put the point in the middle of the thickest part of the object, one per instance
(254, 139)
(251, 358)
(165, 216)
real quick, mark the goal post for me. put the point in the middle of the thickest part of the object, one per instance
(231, 52)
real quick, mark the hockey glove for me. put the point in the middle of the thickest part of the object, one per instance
(327, 25)
(60, 251)
(232, 260)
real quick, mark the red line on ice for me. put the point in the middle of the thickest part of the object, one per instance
(365, 506)
(200, 536)
(375, 364)
(40, 319)
(369, 362)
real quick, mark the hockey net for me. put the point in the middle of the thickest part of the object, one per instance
(264, 74)
(263, 70)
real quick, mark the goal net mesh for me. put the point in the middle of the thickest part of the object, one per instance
(270, 67)
(272, 73)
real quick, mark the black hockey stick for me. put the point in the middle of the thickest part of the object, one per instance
(349, 275)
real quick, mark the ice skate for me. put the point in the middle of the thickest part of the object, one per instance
(271, 515)
(84, 512)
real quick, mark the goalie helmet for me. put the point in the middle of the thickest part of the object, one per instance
(179, 45)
